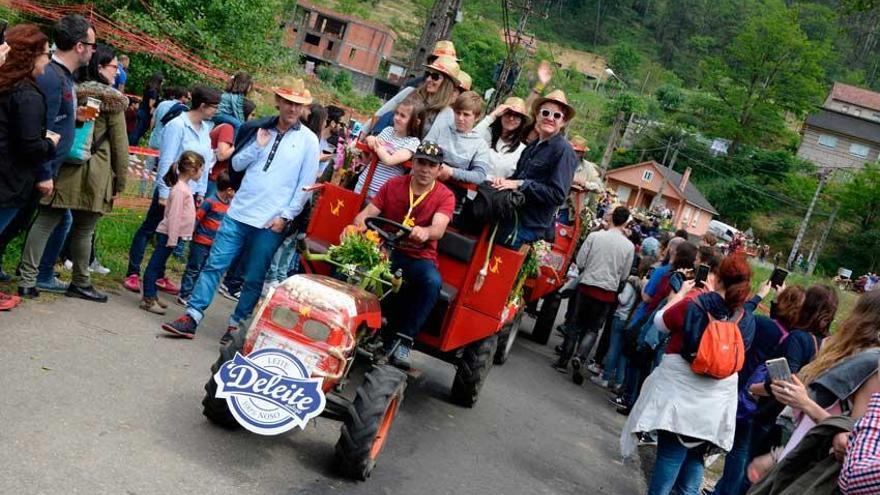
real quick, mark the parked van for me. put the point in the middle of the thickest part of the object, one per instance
(722, 231)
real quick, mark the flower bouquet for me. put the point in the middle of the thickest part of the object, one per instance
(360, 259)
(538, 256)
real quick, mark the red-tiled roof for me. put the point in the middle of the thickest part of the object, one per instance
(855, 95)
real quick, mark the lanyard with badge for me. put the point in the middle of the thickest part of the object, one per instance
(278, 137)
(408, 220)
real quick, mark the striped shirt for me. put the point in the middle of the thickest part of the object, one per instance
(208, 218)
(860, 473)
(392, 144)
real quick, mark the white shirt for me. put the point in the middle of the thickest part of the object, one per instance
(502, 163)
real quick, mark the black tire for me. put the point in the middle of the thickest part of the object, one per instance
(217, 410)
(472, 368)
(546, 318)
(380, 394)
(506, 338)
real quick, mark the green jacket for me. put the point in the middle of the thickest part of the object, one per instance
(92, 185)
(808, 469)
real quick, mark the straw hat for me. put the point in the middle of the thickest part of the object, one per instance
(556, 96)
(296, 93)
(517, 105)
(579, 143)
(444, 48)
(445, 65)
(464, 81)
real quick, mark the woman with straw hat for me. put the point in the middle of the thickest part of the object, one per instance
(505, 129)
(437, 93)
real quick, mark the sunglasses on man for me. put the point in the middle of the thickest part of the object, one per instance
(547, 114)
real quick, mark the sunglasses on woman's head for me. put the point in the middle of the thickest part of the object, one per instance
(434, 76)
(547, 113)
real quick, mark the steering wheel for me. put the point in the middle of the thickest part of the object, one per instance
(379, 225)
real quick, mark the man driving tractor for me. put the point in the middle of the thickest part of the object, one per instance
(420, 202)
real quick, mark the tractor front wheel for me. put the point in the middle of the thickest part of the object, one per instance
(369, 421)
(472, 368)
(217, 410)
(546, 318)
(506, 337)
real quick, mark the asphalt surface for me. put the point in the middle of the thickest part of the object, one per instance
(96, 399)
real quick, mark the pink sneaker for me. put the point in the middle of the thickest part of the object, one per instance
(167, 286)
(132, 283)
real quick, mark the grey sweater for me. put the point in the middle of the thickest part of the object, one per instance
(605, 259)
(467, 153)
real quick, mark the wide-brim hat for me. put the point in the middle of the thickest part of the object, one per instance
(556, 96)
(444, 48)
(516, 104)
(464, 80)
(579, 143)
(296, 93)
(445, 65)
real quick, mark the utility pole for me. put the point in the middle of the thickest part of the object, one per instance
(823, 176)
(825, 234)
(439, 25)
(659, 196)
(512, 62)
(612, 143)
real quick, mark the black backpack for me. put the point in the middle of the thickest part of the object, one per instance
(489, 206)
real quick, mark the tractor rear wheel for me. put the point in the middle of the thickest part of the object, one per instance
(546, 318)
(217, 410)
(472, 368)
(506, 337)
(369, 421)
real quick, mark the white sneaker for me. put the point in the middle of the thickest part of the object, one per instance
(594, 368)
(96, 267)
(68, 265)
(597, 380)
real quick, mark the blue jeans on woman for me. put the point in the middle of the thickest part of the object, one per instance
(198, 254)
(615, 362)
(676, 467)
(732, 482)
(156, 265)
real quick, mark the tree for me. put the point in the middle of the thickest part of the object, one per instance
(624, 60)
(770, 68)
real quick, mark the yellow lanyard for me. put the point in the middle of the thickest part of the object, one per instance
(409, 221)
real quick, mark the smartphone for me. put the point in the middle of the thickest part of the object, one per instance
(702, 275)
(675, 281)
(777, 278)
(3, 25)
(778, 369)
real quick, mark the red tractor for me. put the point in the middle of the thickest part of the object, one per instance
(332, 325)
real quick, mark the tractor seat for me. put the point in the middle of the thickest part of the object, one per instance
(317, 246)
(457, 246)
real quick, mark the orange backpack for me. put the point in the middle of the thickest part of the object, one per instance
(721, 352)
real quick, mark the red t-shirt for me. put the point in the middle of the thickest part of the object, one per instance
(674, 317)
(223, 133)
(393, 201)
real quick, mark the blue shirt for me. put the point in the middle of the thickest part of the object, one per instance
(57, 86)
(161, 110)
(275, 176)
(179, 136)
(121, 77)
(656, 277)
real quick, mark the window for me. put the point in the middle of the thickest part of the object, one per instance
(329, 45)
(313, 40)
(686, 215)
(695, 219)
(647, 176)
(827, 141)
(352, 53)
(857, 112)
(623, 193)
(859, 150)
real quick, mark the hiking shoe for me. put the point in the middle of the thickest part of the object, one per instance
(151, 305)
(597, 380)
(132, 282)
(228, 293)
(577, 371)
(97, 267)
(185, 327)
(231, 332)
(402, 357)
(167, 286)
(594, 368)
(55, 286)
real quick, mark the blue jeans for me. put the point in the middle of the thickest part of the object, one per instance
(284, 261)
(415, 300)
(615, 362)
(676, 467)
(139, 242)
(512, 235)
(6, 216)
(735, 462)
(231, 239)
(156, 265)
(53, 249)
(198, 254)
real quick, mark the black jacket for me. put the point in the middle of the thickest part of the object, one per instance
(23, 143)
(547, 169)
(247, 133)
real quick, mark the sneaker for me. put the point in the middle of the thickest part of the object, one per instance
(132, 282)
(97, 267)
(647, 439)
(402, 357)
(167, 286)
(28, 292)
(8, 302)
(56, 286)
(231, 332)
(185, 327)
(68, 265)
(183, 301)
(151, 305)
(594, 368)
(597, 380)
(618, 402)
(229, 294)
(577, 372)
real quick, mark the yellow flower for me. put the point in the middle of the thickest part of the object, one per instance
(372, 237)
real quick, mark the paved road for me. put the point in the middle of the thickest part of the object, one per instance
(96, 400)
